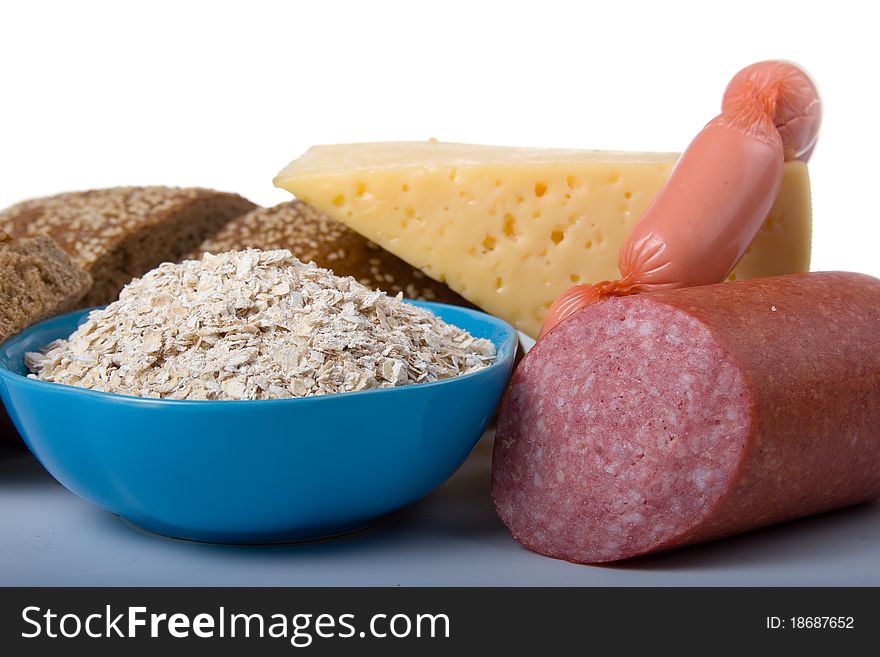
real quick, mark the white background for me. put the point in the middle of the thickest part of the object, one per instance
(223, 95)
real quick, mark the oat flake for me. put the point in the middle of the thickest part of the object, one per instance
(256, 325)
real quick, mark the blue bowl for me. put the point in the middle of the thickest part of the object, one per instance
(255, 471)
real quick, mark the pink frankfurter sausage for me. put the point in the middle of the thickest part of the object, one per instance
(793, 103)
(718, 195)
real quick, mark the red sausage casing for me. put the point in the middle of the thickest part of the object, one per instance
(651, 421)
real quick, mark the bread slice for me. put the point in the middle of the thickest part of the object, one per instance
(37, 280)
(121, 233)
(312, 236)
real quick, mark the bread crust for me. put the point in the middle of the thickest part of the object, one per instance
(120, 233)
(37, 280)
(312, 236)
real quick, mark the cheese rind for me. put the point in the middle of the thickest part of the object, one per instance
(511, 228)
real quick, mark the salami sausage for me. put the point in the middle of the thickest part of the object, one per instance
(657, 420)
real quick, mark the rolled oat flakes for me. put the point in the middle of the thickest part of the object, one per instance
(256, 325)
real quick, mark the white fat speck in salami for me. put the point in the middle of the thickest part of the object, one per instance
(691, 414)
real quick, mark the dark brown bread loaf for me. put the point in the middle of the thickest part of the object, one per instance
(312, 236)
(121, 233)
(37, 280)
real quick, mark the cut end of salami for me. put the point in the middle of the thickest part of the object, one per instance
(624, 451)
(652, 421)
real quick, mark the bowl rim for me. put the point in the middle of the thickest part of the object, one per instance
(510, 340)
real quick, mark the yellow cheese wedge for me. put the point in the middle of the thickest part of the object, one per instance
(511, 228)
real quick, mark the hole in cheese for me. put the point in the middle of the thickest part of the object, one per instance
(509, 225)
